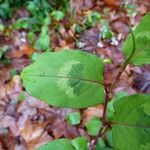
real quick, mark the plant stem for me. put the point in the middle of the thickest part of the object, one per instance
(104, 120)
(102, 131)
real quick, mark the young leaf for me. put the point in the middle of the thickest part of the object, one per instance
(22, 23)
(58, 15)
(131, 122)
(93, 126)
(110, 107)
(66, 79)
(100, 145)
(73, 118)
(80, 143)
(43, 42)
(142, 43)
(61, 144)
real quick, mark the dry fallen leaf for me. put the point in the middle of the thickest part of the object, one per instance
(24, 50)
(90, 112)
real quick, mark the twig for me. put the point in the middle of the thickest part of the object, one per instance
(124, 65)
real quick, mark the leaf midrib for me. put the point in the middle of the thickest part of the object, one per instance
(71, 78)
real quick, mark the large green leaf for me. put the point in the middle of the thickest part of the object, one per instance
(67, 78)
(142, 43)
(131, 123)
(60, 144)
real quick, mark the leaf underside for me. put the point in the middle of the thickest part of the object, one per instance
(131, 123)
(142, 43)
(67, 78)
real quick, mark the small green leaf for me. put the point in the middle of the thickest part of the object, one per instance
(43, 42)
(142, 43)
(47, 21)
(96, 16)
(78, 29)
(110, 107)
(100, 145)
(21, 96)
(13, 72)
(109, 138)
(93, 126)
(60, 144)
(73, 118)
(106, 31)
(80, 143)
(58, 15)
(131, 122)
(2, 27)
(31, 6)
(68, 78)
(22, 23)
(31, 36)
(3, 50)
(89, 21)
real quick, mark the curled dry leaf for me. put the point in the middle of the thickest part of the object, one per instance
(4, 74)
(24, 50)
(2, 92)
(13, 88)
(34, 135)
(91, 112)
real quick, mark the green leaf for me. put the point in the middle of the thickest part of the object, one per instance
(78, 28)
(58, 15)
(2, 27)
(93, 126)
(61, 144)
(110, 107)
(109, 138)
(80, 143)
(21, 23)
(131, 122)
(73, 118)
(142, 43)
(43, 42)
(3, 50)
(67, 78)
(106, 31)
(100, 145)
(31, 6)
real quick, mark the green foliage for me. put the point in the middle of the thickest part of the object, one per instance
(61, 144)
(74, 79)
(110, 107)
(43, 42)
(3, 49)
(93, 126)
(109, 138)
(5, 11)
(31, 37)
(142, 43)
(71, 81)
(78, 28)
(100, 145)
(105, 30)
(73, 118)
(22, 23)
(2, 27)
(80, 143)
(57, 15)
(92, 19)
(131, 122)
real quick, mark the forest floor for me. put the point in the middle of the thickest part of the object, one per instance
(25, 122)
